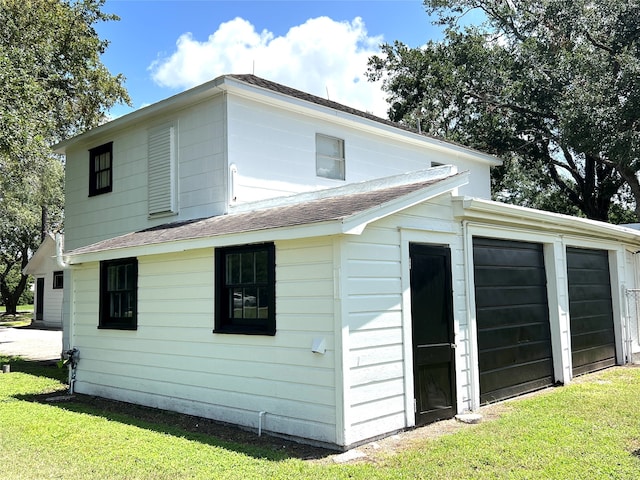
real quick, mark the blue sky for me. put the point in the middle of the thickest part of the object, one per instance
(166, 46)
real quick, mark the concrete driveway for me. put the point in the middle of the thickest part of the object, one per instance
(31, 343)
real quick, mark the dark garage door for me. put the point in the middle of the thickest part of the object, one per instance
(514, 339)
(592, 335)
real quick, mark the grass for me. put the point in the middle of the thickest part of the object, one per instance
(589, 429)
(22, 319)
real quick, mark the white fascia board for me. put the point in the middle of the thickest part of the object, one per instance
(47, 249)
(270, 97)
(355, 224)
(473, 209)
(320, 229)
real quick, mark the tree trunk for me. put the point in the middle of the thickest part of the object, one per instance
(44, 222)
(632, 180)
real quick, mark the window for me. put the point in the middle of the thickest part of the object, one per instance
(329, 157)
(245, 292)
(119, 294)
(58, 280)
(100, 169)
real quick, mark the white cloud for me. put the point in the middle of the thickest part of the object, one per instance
(319, 56)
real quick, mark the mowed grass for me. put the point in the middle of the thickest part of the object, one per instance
(22, 319)
(587, 430)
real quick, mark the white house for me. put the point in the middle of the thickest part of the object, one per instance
(49, 284)
(247, 252)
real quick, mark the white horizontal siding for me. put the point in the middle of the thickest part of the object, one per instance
(174, 360)
(280, 156)
(376, 358)
(201, 177)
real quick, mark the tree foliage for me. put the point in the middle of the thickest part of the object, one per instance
(53, 85)
(549, 85)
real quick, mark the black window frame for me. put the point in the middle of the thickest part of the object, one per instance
(106, 321)
(225, 293)
(93, 172)
(58, 280)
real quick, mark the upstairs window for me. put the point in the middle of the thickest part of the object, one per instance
(100, 169)
(58, 280)
(245, 292)
(119, 294)
(330, 157)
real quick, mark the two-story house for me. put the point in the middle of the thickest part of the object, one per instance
(251, 253)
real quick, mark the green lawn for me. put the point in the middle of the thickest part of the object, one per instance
(23, 318)
(588, 430)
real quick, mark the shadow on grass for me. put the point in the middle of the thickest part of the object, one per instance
(47, 368)
(197, 429)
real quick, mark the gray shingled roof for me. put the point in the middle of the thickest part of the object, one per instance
(316, 211)
(292, 92)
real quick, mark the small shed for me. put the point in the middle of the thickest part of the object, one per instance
(49, 284)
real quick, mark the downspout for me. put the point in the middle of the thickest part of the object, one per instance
(474, 364)
(59, 256)
(69, 357)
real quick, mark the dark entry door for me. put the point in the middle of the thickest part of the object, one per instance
(39, 298)
(432, 327)
(593, 344)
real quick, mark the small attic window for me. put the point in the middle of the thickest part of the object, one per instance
(330, 162)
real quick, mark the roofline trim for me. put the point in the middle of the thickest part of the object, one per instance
(235, 84)
(473, 209)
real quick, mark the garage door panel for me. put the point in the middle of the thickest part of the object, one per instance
(501, 253)
(505, 356)
(590, 310)
(585, 277)
(592, 339)
(592, 323)
(508, 296)
(587, 259)
(539, 373)
(512, 315)
(514, 390)
(509, 276)
(589, 292)
(513, 336)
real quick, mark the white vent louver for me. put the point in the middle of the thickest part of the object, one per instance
(161, 170)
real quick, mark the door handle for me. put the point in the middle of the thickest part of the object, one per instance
(454, 346)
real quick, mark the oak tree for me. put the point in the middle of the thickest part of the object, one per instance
(551, 86)
(54, 85)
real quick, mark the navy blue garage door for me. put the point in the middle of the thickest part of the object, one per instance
(514, 339)
(590, 309)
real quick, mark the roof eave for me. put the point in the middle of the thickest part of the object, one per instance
(333, 227)
(355, 224)
(478, 210)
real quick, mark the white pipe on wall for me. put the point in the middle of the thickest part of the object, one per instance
(260, 416)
